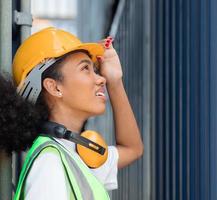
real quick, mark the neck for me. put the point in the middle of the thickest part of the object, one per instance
(71, 120)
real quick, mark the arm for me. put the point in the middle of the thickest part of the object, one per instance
(129, 143)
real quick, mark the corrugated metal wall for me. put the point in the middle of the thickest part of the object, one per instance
(184, 99)
(133, 46)
(213, 99)
(172, 95)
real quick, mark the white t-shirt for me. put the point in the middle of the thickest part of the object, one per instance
(47, 180)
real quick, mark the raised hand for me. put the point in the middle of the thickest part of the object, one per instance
(110, 66)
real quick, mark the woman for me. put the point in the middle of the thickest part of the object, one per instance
(62, 77)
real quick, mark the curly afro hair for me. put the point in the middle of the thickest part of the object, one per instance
(18, 118)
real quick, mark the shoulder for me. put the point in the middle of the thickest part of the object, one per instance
(45, 176)
(47, 157)
(48, 161)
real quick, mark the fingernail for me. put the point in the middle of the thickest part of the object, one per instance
(99, 58)
(110, 37)
(107, 41)
(107, 45)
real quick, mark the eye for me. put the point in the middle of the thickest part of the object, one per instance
(86, 67)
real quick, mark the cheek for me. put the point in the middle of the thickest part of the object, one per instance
(79, 91)
(80, 95)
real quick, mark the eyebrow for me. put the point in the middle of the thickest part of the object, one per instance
(85, 61)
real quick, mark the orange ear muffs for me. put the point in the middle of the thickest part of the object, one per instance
(90, 145)
(92, 158)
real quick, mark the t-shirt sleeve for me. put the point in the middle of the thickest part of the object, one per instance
(107, 173)
(46, 179)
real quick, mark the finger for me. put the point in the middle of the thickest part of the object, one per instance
(100, 59)
(107, 38)
(110, 38)
(107, 43)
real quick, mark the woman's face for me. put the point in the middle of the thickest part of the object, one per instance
(81, 86)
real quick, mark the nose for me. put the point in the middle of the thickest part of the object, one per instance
(100, 80)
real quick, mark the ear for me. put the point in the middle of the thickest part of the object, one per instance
(51, 87)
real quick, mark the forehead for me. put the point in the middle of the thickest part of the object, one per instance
(77, 57)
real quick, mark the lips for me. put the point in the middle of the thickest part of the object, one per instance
(100, 92)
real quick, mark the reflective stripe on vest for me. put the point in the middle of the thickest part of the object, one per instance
(83, 183)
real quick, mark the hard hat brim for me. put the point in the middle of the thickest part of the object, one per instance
(94, 49)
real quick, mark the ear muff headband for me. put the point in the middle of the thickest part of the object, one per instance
(60, 131)
(99, 153)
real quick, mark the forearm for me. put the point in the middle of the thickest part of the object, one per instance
(127, 133)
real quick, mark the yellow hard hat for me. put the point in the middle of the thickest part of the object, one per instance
(48, 43)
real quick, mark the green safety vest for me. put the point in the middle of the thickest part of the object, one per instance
(83, 183)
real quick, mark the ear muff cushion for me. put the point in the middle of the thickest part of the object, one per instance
(90, 157)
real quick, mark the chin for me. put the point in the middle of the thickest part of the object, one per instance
(98, 111)
(95, 109)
